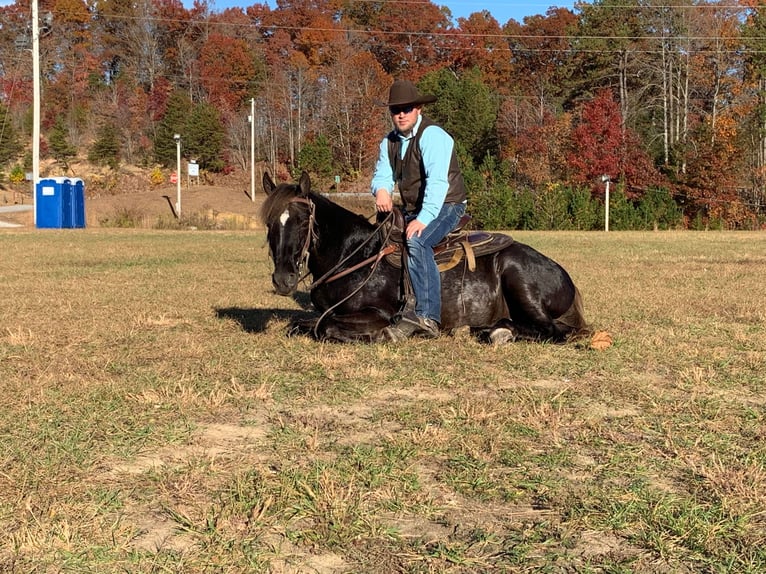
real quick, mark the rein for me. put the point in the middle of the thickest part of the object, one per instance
(375, 259)
(331, 275)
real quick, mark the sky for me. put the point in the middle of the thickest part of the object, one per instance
(502, 10)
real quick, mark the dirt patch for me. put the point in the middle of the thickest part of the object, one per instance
(229, 202)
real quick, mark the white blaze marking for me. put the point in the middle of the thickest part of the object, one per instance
(284, 217)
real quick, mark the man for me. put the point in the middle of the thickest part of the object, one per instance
(419, 157)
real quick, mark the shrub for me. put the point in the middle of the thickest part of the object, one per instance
(17, 174)
(157, 177)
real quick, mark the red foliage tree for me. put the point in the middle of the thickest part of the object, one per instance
(226, 67)
(479, 43)
(600, 145)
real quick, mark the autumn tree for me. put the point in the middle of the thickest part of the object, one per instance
(539, 52)
(610, 50)
(227, 70)
(352, 120)
(479, 44)
(403, 43)
(538, 151)
(755, 75)
(600, 146)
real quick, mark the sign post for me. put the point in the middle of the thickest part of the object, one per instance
(177, 137)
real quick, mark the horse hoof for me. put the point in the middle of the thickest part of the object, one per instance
(501, 336)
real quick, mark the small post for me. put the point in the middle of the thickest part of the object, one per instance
(252, 149)
(605, 179)
(177, 137)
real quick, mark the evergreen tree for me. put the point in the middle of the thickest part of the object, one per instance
(58, 142)
(466, 108)
(9, 139)
(173, 122)
(106, 148)
(204, 136)
(316, 156)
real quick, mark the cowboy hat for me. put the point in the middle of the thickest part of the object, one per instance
(404, 92)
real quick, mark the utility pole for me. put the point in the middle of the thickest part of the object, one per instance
(606, 180)
(177, 137)
(35, 106)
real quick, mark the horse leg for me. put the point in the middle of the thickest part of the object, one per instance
(366, 325)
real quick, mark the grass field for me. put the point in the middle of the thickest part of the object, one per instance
(154, 417)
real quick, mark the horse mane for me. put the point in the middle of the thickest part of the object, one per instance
(277, 201)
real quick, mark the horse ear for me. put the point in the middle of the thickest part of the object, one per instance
(268, 183)
(305, 184)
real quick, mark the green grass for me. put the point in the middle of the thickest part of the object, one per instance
(155, 418)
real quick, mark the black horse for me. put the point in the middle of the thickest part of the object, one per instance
(513, 293)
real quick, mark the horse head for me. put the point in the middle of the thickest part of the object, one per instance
(288, 214)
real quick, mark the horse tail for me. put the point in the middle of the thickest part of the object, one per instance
(573, 322)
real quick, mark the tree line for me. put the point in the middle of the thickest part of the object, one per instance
(666, 100)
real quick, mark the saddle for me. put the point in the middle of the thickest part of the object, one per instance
(459, 244)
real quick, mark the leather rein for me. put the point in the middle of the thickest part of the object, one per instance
(331, 275)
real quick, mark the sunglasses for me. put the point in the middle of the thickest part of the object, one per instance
(396, 110)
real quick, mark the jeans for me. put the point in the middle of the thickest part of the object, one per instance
(424, 273)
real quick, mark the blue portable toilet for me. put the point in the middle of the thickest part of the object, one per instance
(78, 202)
(66, 204)
(49, 202)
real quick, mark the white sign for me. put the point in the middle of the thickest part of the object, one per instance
(49, 190)
(193, 170)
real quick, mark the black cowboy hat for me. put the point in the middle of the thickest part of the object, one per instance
(404, 92)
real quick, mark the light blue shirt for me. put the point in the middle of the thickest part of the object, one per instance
(436, 149)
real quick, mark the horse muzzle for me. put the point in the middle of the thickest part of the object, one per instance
(284, 283)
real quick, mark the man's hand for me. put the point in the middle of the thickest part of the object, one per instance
(414, 227)
(383, 201)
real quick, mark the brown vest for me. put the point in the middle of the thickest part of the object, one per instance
(409, 172)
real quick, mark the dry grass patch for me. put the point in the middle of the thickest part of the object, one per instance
(155, 417)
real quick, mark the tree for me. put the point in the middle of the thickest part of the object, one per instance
(479, 44)
(316, 157)
(9, 139)
(466, 108)
(173, 122)
(227, 70)
(755, 75)
(60, 148)
(203, 137)
(539, 52)
(600, 146)
(106, 149)
(401, 43)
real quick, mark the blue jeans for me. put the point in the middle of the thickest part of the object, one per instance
(424, 273)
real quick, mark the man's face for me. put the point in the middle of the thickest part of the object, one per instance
(405, 117)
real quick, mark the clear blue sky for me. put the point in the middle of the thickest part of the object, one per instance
(502, 10)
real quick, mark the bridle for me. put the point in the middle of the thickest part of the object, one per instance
(303, 259)
(333, 274)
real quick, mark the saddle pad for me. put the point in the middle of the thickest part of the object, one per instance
(472, 244)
